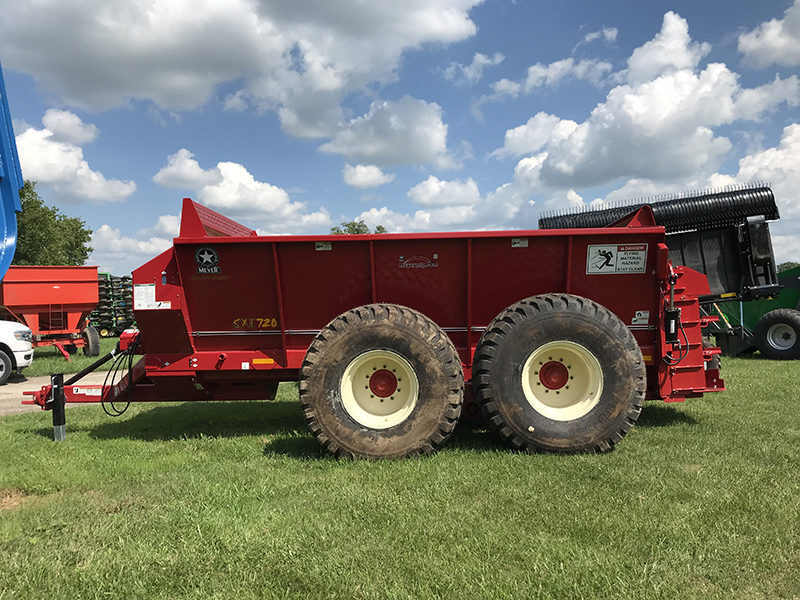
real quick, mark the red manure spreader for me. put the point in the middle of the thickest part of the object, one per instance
(557, 337)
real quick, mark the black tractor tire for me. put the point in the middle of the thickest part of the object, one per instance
(381, 381)
(559, 373)
(6, 367)
(92, 338)
(777, 334)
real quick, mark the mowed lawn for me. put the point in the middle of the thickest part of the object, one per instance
(235, 500)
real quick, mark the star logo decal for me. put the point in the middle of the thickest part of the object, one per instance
(207, 260)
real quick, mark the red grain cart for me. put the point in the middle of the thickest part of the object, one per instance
(558, 336)
(54, 302)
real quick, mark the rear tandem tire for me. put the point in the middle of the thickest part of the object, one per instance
(92, 338)
(381, 381)
(559, 373)
(777, 334)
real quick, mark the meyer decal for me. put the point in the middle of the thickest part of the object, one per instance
(207, 260)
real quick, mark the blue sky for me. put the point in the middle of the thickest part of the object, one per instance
(422, 115)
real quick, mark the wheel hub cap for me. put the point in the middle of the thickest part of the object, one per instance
(554, 375)
(383, 383)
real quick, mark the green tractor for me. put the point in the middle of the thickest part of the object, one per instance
(771, 326)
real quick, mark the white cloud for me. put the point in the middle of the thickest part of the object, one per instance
(301, 58)
(541, 130)
(119, 254)
(471, 74)
(408, 131)
(184, 172)
(672, 118)
(230, 188)
(435, 192)
(774, 42)
(506, 87)
(541, 75)
(54, 158)
(453, 217)
(237, 191)
(657, 129)
(365, 176)
(671, 50)
(167, 226)
(607, 34)
(68, 127)
(457, 205)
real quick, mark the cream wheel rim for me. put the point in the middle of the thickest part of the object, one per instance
(379, 389)
(562, 380)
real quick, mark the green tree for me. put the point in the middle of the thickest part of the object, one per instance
(355, 227)
(785, 266)
(45, 236)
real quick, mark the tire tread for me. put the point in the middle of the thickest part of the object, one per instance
(412, 319)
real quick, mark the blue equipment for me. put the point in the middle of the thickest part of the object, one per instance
(10, 184)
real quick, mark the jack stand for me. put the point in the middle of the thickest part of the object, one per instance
(59, 407)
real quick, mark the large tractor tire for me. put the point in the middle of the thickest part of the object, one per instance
(381, 381)
(777, 334)
(559, 373)
(92, 338)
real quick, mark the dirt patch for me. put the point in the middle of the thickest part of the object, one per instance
(11, 499)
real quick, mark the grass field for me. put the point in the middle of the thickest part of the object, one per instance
(701, 500)
(48, 359)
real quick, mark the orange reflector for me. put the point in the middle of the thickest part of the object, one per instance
(647, 358)
(263, 361)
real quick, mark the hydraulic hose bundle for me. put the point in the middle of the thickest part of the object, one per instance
(122, 367)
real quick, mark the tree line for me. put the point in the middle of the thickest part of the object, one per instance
(47, 237)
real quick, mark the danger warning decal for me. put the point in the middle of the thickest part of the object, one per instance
(622, 258)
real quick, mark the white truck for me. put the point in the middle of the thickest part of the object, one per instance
(16, 350)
